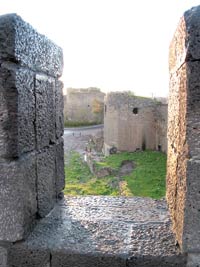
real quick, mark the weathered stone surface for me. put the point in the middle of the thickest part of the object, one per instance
(26, 110)
(46, 183)
(8, 114)
(68, 259)
(107, 231)
(60, 173)
(177, 151)
(17, 111)
(22, 256)
(191, 237)
(3, 257)
(59, 109)
(193, 260)
(20, 43)
(148, 246)
(18, 203)
(45, 110)
(31, 156)
(185, 44)
(161, 261)
(193, 108)
(183, 185)
(192, 33)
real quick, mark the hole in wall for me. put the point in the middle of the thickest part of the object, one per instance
(143, 145)
(135, 111)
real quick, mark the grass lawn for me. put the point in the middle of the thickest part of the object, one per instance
(147, 178)
(80, 181)
(79, 124)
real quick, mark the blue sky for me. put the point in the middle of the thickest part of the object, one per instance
(111, 44)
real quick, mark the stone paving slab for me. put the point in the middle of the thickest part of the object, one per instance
(106, 231)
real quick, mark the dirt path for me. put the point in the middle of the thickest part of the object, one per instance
(77, 140)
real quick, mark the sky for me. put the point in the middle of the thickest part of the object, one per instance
(110, 44)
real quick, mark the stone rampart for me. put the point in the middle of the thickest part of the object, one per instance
(31, 127)
(91, 231)
(134, 123)
(84, 105)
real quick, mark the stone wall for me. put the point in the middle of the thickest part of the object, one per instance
(84, 105)
(31, 162)
(183, 183)
(134, 123)
(31, 128)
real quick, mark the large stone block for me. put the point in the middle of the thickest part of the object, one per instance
(177, 151)
(20, 43)
(18, 204)
(185, 44)
(26, 110)
(59, 102)
(46, 183)
(193, 260)
(193, 108)
(191, 228)
(67, 259)
(20, 255)
(3, 256)
(183, 185)
(8, 114)
(154, 261)
(45, 110)
(17, 111)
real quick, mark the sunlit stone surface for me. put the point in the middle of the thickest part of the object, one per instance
(102, 231)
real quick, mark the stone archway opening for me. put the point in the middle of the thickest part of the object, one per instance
(87, 231)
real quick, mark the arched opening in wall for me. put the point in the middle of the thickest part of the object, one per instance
(116, 176)
(101, 171)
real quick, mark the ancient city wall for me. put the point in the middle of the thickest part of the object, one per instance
(183, 170)
(31, 128)
(84, 105)
(134, 123)
(31, 161)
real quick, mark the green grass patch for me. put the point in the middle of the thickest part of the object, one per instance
(80, 181)
(79, 123)
(147, 178)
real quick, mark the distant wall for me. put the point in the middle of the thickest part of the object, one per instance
(134, 123)
(84, 105)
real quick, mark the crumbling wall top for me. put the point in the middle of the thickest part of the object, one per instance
(120, 99)
(89, 90)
